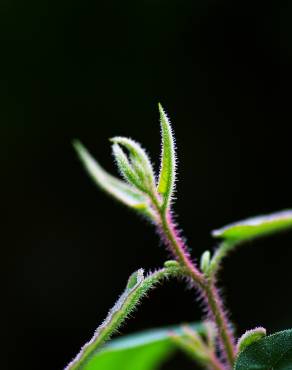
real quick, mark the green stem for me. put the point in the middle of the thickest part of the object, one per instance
(137, 287)
(220, 253)
(180, 252)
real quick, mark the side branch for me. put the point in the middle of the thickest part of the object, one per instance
(204, 284)
(136, 288)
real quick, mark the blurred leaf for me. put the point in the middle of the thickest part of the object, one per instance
(255, 227)
(118, 189)
(270, 353)
(141, 351)
(168, 160)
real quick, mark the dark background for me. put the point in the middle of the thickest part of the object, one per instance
(94, 69)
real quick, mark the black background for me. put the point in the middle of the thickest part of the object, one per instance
(94, 69)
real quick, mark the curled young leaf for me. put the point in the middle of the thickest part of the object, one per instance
(136, 288)
(118, 189)
(249, 337)
(167, 174)
(126, 168)
(140, 164)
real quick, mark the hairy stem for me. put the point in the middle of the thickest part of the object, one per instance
(215, 363)
(137, 287)
(215, 305)
(206, 286)
(179, 250)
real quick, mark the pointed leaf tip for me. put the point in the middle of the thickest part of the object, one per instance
(167, 175)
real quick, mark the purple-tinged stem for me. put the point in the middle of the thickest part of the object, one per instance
(178, 248)
(207, 287)
(215, 363)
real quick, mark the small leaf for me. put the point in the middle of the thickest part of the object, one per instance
(250, 337)
(272, 352)
(136, 288)
(205, 261)
(118, 189)
(139, 161)
(255, 227)
(168, 160)
(125, 167)
(171, 263)
(141, 351)
(134, 279)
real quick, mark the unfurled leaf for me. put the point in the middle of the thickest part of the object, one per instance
(270, 353)
(251, 228)
(141, 351)
(140, 163)
(137, 287)
(256, 227)
(249, 337)
(168, 160)
(118, 189)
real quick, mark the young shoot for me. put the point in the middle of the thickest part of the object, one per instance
(213, 344)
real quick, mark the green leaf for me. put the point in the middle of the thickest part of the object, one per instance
(118, 189)
(236, 233)
(255, 227)
(136, 289)
(250, 337)
(139, 162)
(270, 353)
(168, 160)
(141, 351)
(126, 169)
